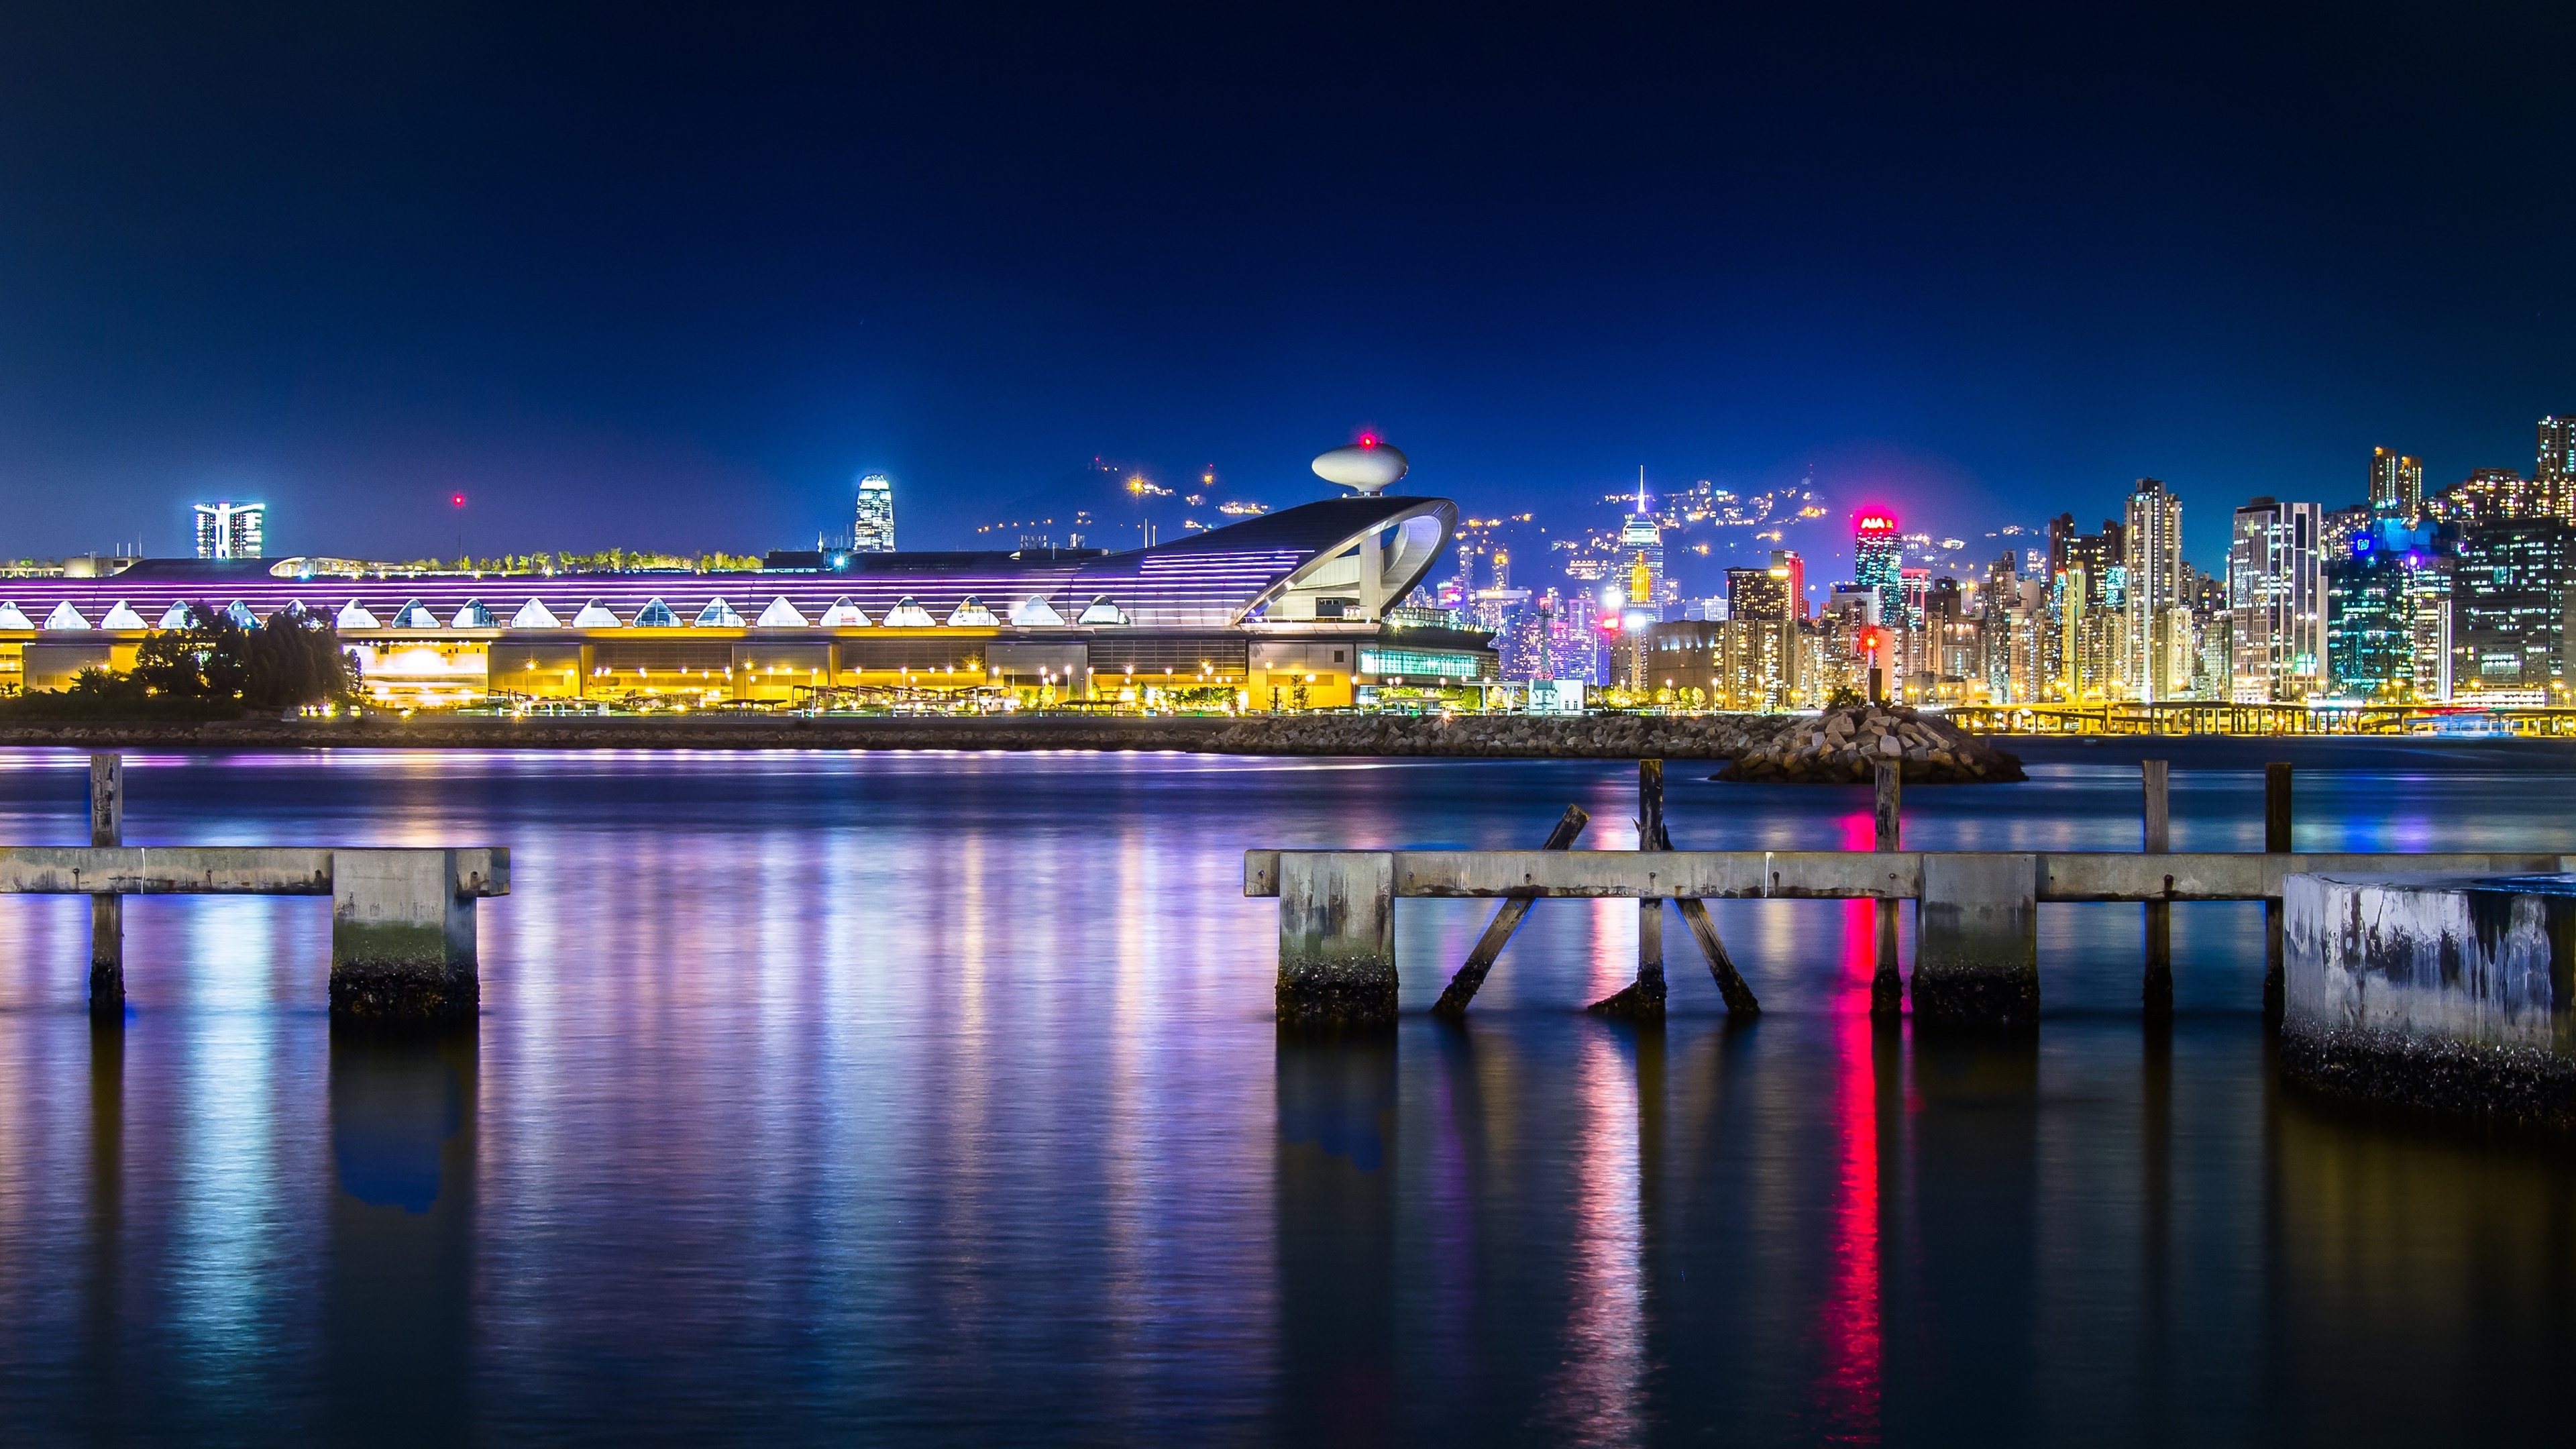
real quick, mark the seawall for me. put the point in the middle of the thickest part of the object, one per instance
(1699, 737)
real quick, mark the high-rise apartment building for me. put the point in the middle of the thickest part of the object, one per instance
(2090, 595)
(875, 531)
(2553, 472)
(2276, 600)
(2514, 610)
(2159, 615)
(231, 530)
(2487, 495)
(1795, 568)
(2396, 485)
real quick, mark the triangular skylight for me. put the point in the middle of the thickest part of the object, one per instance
(907, 613)
(65, 616)
(533, 615)
(781, 615)
(121, 617)
(717, 615)
(1034, 612)
(13, 617)
(656, 615)
(845, 615)
(355, 616)
(594, 615)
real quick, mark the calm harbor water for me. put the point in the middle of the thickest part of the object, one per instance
(935, 1097)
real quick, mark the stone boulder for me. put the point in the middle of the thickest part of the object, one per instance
(1845, 745)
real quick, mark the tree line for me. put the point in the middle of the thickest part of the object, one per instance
(216, 664)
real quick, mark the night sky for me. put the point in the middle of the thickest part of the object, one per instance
(672, 276)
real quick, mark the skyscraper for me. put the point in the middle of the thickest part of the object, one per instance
(2396, 485)
(2553, 474)
(1878, 562)
(875, 531)
(2276, 597)
(1794, 569)
(2159, 616)
(2513, 591)
(230, 530)
(1641, 558)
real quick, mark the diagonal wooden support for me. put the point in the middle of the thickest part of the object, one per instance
(1740, 1000)
(1489, 946)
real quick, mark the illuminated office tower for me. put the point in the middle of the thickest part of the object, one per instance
(1877, 562)
(1641, 559)
(2553, 474)
(230, 530)
(2396, 485)
(2159, 614)
(2276, 602)
(875, 531)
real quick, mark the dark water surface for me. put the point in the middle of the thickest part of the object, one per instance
(935, 1097)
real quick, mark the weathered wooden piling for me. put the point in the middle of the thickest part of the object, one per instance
(1336, 938)
(1976, 941)
(2156, 992)
(1886, 987)
(1463, 987)
(2276, 841)
(107, 912)
(1644, 997)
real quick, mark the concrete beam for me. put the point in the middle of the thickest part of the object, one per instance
(1336, 937)
(1872, 875)
(211, 870)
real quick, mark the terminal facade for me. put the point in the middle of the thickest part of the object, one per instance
(1294, 609)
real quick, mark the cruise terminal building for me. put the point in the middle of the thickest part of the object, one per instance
(1304, 597)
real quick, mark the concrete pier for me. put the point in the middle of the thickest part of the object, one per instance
(2444, 993)
(1976, 941)
(1336, 937)
(1977, 947)
(402, 935)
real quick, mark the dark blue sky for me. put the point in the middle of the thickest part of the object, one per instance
(670, 277)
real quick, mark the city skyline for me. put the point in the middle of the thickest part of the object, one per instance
(745, 279)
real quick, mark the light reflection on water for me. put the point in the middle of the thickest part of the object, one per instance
(935, 1096)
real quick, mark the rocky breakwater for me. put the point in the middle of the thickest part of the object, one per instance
(1848, 744)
